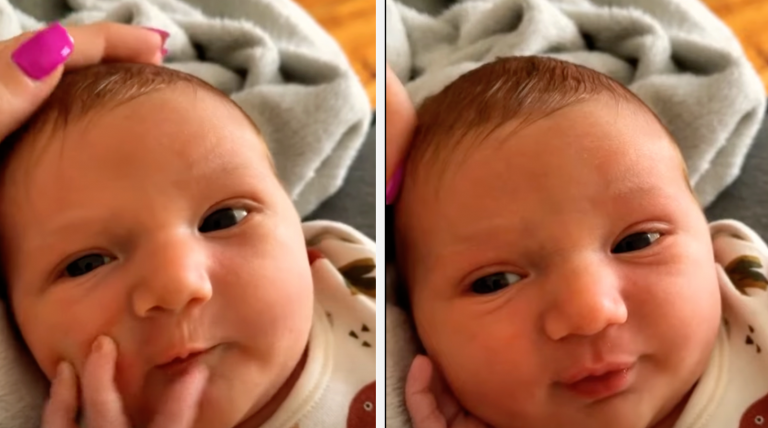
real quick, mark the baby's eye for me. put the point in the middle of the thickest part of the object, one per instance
(85, 264)
(635, 242)
(494, 282)
(222, 219)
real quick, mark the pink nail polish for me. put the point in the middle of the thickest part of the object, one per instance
(393, 187)
(163, 37)
(163, 34)
(40, 55)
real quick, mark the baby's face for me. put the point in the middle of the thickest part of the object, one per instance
(572, 245)
(160, 223)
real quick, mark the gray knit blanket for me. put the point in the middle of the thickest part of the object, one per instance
(674, 54)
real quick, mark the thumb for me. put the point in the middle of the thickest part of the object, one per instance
(30, 66)
(419, 398)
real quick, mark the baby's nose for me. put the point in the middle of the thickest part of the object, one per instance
(584, 303)
(172, 280)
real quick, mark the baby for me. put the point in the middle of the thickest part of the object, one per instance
(559, 270)
(141, 204)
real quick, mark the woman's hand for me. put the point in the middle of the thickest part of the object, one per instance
(31, 64)
(401, 121)
(430, 402)
(102, 404)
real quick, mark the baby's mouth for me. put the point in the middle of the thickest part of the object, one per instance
(182, 361)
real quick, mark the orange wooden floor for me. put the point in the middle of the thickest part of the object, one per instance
(353, 24)
(749, 20)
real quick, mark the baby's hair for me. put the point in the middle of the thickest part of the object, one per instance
(522, 89)
(108, 85)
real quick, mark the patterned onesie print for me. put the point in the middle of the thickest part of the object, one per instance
(338, 385)
(733, 391)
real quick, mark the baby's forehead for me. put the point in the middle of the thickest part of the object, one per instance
(192, 146)
(599, 129)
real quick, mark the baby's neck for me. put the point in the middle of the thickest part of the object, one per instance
(268, 410)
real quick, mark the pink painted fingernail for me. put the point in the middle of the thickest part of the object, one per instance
(163, 34)
(393, 187)
(44, 52)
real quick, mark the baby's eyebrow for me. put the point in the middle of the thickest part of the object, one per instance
(56, 231)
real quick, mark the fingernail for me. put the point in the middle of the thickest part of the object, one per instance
(393, 187)
(44, 52)
(163, 34)
(100, 344)
(61, 369)
(64, 370)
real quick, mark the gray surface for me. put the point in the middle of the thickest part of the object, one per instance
(747, 198)
(355, 203)
(676, 55)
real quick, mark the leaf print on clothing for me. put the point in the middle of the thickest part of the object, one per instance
(362, 410)
(355, 273)
(749, 341)
(365, 333)
(743, 272)
(756, 415)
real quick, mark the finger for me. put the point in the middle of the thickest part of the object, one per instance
(101, 400)
(447, 403)
(400, 122)
(110, 41)
(61, 409)
(419, 398)
(179, 408)
(30, 67)
(31, 64)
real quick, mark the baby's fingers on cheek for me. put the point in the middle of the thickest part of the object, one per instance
(101, 400)
(419, 377)
(419, 398)
(61, 409)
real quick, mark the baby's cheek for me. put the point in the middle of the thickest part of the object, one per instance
(63, 328)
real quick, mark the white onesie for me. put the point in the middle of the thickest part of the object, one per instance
(338, 385)
(733, 392)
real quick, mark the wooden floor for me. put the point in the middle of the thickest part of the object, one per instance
(749, 20)
(353, 24)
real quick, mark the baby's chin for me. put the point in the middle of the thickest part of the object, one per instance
(218, 406)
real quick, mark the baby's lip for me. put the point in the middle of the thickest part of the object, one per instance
(583, 371)
(182, 353)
